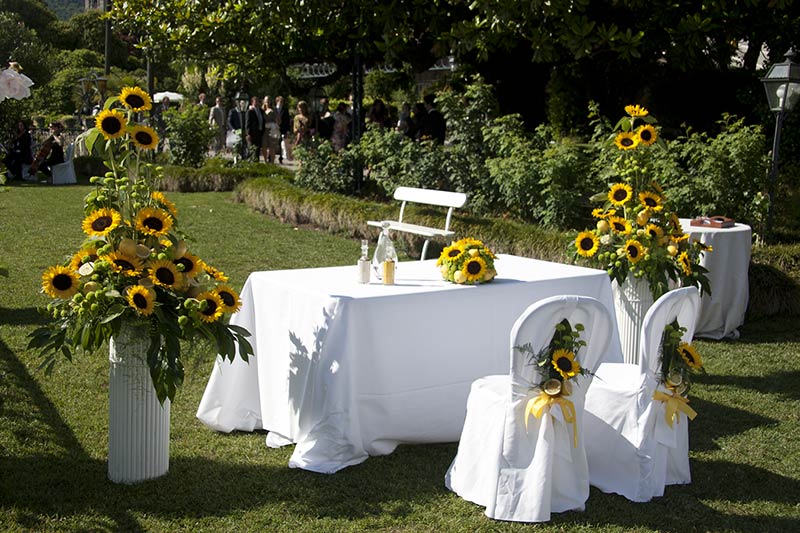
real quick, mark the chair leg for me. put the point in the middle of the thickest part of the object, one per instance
(424, 250)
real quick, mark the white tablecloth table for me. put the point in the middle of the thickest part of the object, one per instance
(728, 266)
(347, 370)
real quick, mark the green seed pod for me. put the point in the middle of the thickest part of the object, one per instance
(95, 308)
(183, 320)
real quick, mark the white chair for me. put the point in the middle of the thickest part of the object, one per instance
(524, 474)
(64, 173)
(631, 448)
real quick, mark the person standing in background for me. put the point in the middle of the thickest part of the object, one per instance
(217, 120)
(271, 144)
(254, 126)
(285, 125)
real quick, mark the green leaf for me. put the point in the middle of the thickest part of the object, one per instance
(91, 138)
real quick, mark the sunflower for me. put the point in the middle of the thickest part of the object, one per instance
(111, 123)
(164, 273)
(620, 225)
(192, 265)
(123, 263)
(686, 263)
(620, 193)
(655, 231)
(647, 134)
(451, 253)
(566, 365)
(690, 356)
(651, 201)
(164, 202)
(626, 140)
(230, 300)
(135, 99)
(215, 273)
(636, 111)
(634, 251)
(60, 282)
(214, 306)
(142, 299)
(144, 137)
(99, 223)
(474, 269)
(587, 243)
(153, 221)
(84, 255)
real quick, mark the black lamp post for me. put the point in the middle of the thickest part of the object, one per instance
(782, 84)
(242, 101)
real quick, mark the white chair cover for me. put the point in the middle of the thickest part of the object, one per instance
(518, 474)
(631, 449)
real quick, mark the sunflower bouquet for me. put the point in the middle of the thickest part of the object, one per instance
(135, 265)
(467, 261)
(558, 366)
(679, 360)
(637, 234)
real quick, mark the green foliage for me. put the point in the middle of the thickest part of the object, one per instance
(324, 170)
(189, 135)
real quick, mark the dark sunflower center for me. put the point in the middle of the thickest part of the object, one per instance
(227, 298)
(165, 276)
(188, 264)
(633, 251)
(620, 194)
(587, 243)
(140, 301)
(111, 125)
(653, 233)
(153, 223)
(134, 100)
(101, 223)
(124, 264)
(62, 282)
(650, 202)
(688, 355)
(619, 226)
(646, 135)
(211, 308)
(473, 267)
(453, 253)
(142, 137)
(626, 141)
(564, 364)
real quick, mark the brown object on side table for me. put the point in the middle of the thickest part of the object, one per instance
(713, 222)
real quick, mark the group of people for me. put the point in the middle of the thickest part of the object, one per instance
(426, 122)
(24, 159)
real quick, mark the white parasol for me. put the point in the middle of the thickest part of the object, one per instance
(173, 97)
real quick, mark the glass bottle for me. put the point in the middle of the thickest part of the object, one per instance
(363, 262)
(384, 251)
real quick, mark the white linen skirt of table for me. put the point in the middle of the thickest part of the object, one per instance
(347, 370)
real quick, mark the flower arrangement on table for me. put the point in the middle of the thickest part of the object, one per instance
(467, 261)
(637, 234)
(559, 365)
(679, 361)
(135, 264)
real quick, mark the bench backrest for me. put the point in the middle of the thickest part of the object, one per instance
(431, 197)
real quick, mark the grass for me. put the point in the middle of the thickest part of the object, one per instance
(53, 430)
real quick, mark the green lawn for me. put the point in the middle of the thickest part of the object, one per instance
(745, 442)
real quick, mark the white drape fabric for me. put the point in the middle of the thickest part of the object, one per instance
(347, 370)
(631, 449)
(522, 474)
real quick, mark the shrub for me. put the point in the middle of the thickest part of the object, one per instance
(189, 135)
(324, 170)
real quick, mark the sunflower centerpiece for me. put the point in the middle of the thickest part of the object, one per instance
(135, 265)
(637, 234)
(467, 261)
(558, 367)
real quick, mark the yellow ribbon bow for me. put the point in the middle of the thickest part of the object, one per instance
(536, 407)
(674, 403)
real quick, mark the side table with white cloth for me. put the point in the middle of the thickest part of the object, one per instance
(728, 265)
(346, 370)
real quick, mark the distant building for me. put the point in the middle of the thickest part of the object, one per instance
(92, 4)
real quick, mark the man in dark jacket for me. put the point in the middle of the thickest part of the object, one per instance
(254, 126)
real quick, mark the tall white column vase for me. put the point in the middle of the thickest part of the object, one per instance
(631, 301)
(138, 425)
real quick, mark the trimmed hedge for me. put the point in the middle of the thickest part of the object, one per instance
(215, 176)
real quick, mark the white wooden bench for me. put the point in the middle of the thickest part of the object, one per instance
(451, 200)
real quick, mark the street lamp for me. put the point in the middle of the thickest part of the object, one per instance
(242, 101)
(782, 84)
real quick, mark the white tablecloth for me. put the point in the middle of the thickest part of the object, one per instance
(728, 265)
(347, 370)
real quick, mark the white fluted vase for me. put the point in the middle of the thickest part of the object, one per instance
(632, 299)
(138, 425)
